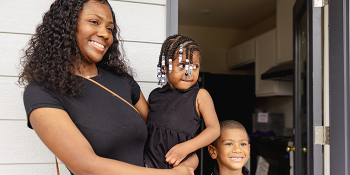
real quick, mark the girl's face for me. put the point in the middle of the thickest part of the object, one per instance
(94, 31)
(177, 78)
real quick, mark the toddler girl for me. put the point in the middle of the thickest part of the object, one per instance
(177, 109)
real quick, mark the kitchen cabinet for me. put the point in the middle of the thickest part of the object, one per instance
(265, 58)
(284, 30)
(241, 55)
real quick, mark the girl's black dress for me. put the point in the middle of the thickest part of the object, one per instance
(172, 119)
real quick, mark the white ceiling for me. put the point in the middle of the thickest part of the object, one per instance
(237, 14)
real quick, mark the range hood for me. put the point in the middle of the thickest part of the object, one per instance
(281, 72)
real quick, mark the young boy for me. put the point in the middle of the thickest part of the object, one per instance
(231, 150)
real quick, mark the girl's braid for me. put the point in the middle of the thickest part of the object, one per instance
(175, 45)
(165, 47)
(193, 47)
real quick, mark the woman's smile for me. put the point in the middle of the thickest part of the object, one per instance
(98, 46)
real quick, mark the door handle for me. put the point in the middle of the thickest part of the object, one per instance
(289, 149)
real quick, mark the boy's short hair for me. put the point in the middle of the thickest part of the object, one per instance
(226, 125)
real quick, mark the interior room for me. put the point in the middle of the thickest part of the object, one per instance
(241, 41)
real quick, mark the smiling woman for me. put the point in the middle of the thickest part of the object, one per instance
(88, 129)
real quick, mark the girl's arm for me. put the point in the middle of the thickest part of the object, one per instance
(212, 131)
(142, 106)
(58, 132)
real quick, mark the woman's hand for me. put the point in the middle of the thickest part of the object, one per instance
(182, 169)
(176, 154)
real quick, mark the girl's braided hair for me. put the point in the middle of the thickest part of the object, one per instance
(171, 45)
(49, 59)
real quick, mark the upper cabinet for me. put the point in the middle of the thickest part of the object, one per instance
(265, 58)
(241, 55)
(284, 30)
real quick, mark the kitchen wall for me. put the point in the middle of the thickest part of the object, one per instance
(215, 42)
(278, 104)
(262, 27)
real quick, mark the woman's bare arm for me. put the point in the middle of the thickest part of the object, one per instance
(142, 106)
(58, 132)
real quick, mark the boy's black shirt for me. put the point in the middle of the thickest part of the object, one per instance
(245, 171)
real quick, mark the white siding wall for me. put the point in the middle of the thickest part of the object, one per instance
(143, 28)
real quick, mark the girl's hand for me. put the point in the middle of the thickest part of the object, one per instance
(176, 154)
(182, 169)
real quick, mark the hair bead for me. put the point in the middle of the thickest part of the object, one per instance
(159, 74)
(170, 65)
(191, 67)
(186, 68)
(181, 52)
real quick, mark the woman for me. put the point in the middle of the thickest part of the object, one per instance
(87, 128)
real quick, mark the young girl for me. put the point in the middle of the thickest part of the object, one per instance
(177, 109)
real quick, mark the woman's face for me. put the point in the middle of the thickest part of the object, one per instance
(94, 34)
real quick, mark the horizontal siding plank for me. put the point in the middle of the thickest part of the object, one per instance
(11, 52)
(21, 16)
(140, 22)
(143, 59)
(32, 169)
(21, 145)
(11, 101)
(137, 21)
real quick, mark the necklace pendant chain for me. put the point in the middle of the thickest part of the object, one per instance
(88, 76)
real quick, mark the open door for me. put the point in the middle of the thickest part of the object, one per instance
(308, 108)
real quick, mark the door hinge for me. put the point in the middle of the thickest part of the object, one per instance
(322, 135)
(320, 3)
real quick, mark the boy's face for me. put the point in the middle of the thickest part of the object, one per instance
(232, 150)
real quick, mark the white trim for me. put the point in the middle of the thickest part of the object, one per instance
(326, 154)
(172, 17)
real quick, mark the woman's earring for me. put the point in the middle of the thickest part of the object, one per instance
(180, 55)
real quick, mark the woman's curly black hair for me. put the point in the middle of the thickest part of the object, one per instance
(49, 59)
